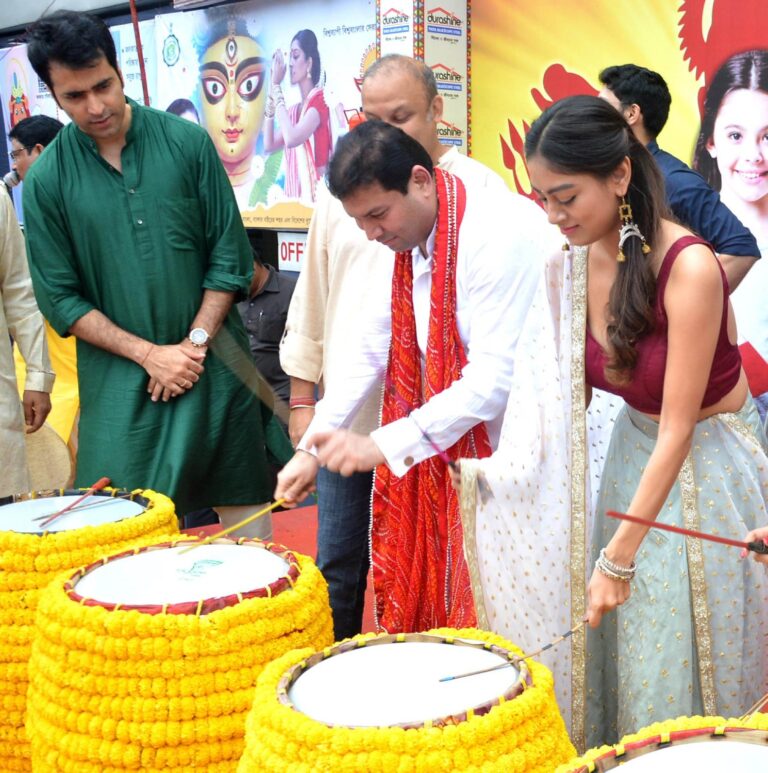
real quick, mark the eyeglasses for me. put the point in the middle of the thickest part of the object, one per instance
(14, 154)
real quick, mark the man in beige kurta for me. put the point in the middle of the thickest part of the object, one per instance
(21, 320)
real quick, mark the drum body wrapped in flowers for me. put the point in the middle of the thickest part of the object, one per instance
(377, 703)
(701, 744)
(149, 660)
(33, 554)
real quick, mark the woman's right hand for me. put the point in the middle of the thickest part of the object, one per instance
(278, 67)
(604, 595)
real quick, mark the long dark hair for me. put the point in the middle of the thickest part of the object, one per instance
(747, 70)
(586, 135)
(307, 41)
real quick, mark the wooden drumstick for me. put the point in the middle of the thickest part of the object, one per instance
(230, 529)
(517, 660)
(93, 505)
(100, 484)
(757, 546)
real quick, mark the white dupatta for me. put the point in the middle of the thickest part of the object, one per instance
(526, 545)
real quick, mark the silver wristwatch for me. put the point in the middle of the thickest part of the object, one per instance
(199, 337)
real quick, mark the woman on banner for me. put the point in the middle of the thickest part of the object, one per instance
(732, 155)
(631, 314)
(303, 129)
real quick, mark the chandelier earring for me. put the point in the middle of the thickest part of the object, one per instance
(628, 229)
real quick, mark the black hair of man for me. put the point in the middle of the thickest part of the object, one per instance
(71, 39)
(35, 130)
(635, 85)
(375, 152)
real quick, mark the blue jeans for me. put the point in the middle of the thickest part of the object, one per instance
(343, 516)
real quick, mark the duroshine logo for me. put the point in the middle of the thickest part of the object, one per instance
(447, 78)
(449, 134)
(442, 22)
(394, 22)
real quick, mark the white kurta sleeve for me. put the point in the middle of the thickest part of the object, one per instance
(24, 320)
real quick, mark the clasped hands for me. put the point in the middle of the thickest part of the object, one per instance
(339, 451)
(173, 369)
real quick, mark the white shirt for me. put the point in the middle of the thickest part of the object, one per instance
(503, 242)
(343, 276)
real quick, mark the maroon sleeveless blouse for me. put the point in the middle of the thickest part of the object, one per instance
(645, 389)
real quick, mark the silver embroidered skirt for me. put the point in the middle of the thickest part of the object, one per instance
(691, 639)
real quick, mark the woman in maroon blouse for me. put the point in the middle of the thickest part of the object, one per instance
(686, 633)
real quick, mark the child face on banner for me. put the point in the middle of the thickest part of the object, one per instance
(739, 144)
(232, 90)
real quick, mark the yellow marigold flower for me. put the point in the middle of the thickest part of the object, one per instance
(28, 563)
(666, 729)
(524, 734)
(155, 689)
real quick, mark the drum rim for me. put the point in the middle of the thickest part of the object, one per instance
(524, 680)
(108, 493)
(200, 607)
(622, 753)
(113, 493)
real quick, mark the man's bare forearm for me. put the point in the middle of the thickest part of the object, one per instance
(97, 329)
(302, 388)
(213, 311)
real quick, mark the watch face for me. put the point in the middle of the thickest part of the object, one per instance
(198, 336)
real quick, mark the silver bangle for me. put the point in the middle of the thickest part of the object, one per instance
(606, 567)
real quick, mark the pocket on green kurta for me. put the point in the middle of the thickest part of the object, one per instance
(181, 224)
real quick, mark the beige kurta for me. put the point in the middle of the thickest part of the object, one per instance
(20, 319)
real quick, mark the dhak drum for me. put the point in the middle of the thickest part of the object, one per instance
(32, 554)
(149, 659)
(703, 744)
(378, 704)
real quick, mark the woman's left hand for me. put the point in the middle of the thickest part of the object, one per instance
(604, 595)
(754, 536)
(278, 67)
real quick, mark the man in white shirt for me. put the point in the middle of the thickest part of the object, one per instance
(343, 275)
(465, 271)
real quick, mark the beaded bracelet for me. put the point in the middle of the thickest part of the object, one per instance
(615, 572)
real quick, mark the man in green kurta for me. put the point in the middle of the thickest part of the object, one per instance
(136, 247)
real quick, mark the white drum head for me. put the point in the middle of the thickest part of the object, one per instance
(164, 576)
(19, 516)
(398, 683)
(702, 757)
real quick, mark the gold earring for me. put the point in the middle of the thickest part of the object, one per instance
(628, 228)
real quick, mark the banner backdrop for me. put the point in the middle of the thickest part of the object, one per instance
(234, 68)
(527, 55)
(23, 95)
(128, 60)
(437, 32)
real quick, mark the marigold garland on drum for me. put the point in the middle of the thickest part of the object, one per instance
(31, 556)
(164, 684)
(518, 729)
(662, 735)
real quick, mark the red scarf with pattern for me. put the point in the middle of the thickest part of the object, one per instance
(420, 577)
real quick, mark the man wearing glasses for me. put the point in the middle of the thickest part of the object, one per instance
(28, 140)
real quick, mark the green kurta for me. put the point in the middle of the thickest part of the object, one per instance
(141, 247)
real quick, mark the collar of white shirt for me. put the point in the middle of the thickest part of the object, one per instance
(425, 264)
